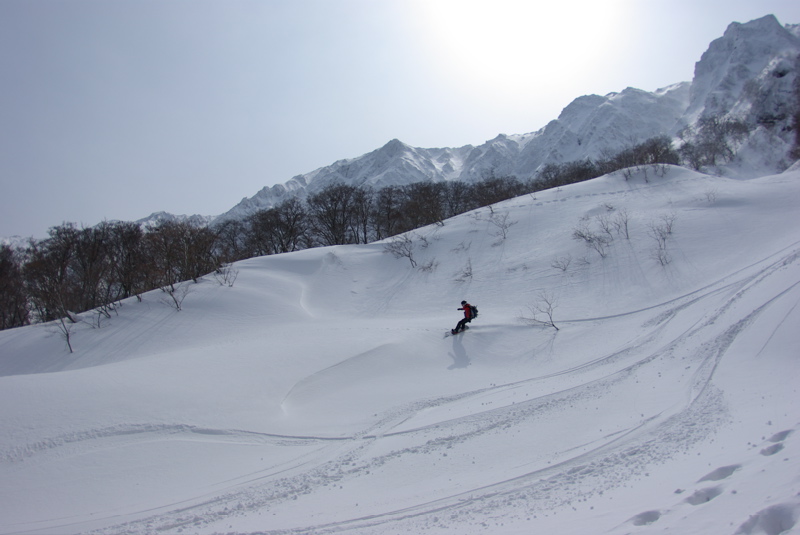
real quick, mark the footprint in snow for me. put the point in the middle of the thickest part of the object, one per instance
(646, 518)
(704, 495)
(777, 440)
(780, 437)
(772, 450)
(773, 520)
(721, 473)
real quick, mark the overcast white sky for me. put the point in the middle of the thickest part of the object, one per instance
(115, 110)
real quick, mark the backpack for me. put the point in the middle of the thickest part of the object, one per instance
(473, 312)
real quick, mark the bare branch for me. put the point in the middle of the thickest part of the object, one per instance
(401, 247)
(542, 310)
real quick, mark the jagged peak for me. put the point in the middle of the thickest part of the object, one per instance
(673, 88)
(577, 106)
(502, 139)
(736, 58)
(744, 32)
(393, 147)
(634, 91)
(767, 23)
(157, 218)
(765, 29)
(588, 125)
(395, 142)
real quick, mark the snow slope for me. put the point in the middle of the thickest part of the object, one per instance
(319, 394)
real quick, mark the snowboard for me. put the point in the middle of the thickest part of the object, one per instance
(451, 333)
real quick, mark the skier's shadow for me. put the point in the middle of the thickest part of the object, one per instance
(459, 354)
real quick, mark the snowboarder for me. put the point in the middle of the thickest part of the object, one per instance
(467, 308)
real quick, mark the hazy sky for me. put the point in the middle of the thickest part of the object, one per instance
(117, 109)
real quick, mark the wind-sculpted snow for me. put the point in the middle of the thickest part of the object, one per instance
(319, 394)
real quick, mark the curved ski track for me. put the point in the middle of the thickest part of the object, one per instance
(534, 485)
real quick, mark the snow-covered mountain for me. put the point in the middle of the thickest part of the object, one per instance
(153, 220)
(751, 73)
(588, 127)
(157, 218)
(314, 392)
(317, 394)
(748, 74)
(15, 242)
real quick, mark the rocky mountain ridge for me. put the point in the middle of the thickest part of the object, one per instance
(748, 74)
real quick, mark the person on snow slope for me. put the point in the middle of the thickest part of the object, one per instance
(467, 308)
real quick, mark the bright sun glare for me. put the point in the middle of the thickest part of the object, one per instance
(529, 46)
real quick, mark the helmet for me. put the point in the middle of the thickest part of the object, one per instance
(463, 302)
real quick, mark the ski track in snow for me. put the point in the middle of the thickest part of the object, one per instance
(478, 477)
(581, 472)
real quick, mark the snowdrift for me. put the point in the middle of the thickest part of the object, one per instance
(319, 394)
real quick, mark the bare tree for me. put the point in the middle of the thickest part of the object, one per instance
(360, 221)
(653, 154)
(668, 221)
(542, 310)
(128, 259)
(64, 326)
(181, 251)
(429, 266)
(424, 204)
(49, 277)
(458, 198)
(14, 310)
(281, 229)
(493, 189)
(605, 224)
(711, 141)
(232, 240)
(177, 293)
(620, 223)
(561, 263)
(501, 223)
(226, 275)
(593, 240)
(401, 246)
(332, 212)
(660, 232)
(387, 216)
(466, 272)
